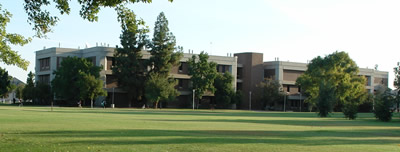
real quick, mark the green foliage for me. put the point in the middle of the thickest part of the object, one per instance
(383, 104)
(29, 91)
(91, 86)
(268, 92)
(396, 84)
(203, 74)
(326, 98)
(43, 94)
(129, 67)
(42, 20)
(7, 55)
(68, 81)
(19, 91)
(5, 82)
(162, 48)
(342, 72)
(224, 93)
(160, 88)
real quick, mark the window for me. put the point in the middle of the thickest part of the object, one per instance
(44, 79)
(110, 63)
(180, 83)
(223, 69)
(299, 89)
(288, 88)
(180, 67)
(44, 64)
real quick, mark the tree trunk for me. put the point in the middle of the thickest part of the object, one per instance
(91, 103)
(155, 107)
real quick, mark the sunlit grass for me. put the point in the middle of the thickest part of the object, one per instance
(75, 129)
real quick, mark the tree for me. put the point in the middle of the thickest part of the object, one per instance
(92, 87)
(163, 57)
(160, 88)
(5, 82)
(8, 55)
(224, 93)
(326, 99)
(19, 91)
(269, 91)
(396, 84)
(43, 94)
(203, 74)
(383, 104)
(42, 21)
(129, 67)
(340, 71)
(68, 83)
(29, 91)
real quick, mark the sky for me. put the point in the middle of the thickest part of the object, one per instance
(293, 30)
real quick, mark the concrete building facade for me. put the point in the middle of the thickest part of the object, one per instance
(48, 60)
(248, 69)
(252, 70)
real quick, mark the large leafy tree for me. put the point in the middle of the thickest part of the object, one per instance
(224, 92)
(326, 98)
(68, 81)
(43, 94)
(92, 87)
(160, 88)
(383, 104)
(269, 92)
(340, 71)
(129, 67)
(8, 55)
(5, 82)
(42, 21)
(29, 91)
(203, 74)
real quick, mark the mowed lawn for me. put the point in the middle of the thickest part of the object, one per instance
(74, 129)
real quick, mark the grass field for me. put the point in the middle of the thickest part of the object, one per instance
(74, 129)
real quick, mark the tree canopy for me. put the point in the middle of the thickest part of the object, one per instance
(160, 88)
(202, 74)
(224, 92)
(70, 79)
(162, 46)
(129, 68)
(29, 89)
(5, 82)
(43, 20)
(337, 69)
(269, 93)
(8, 55)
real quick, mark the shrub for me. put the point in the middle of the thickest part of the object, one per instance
(383, 103)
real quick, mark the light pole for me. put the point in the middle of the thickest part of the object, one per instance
(300, 101)
(250, 100)
(284, 103)
(193, 97)
(113, 99)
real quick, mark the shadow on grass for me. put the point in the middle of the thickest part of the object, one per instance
(120, 137)
(319, 122)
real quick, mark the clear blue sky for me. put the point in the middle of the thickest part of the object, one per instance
(293, 30)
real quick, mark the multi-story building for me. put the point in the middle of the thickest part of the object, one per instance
(252, 70)
(248, 69)
(48, 60)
